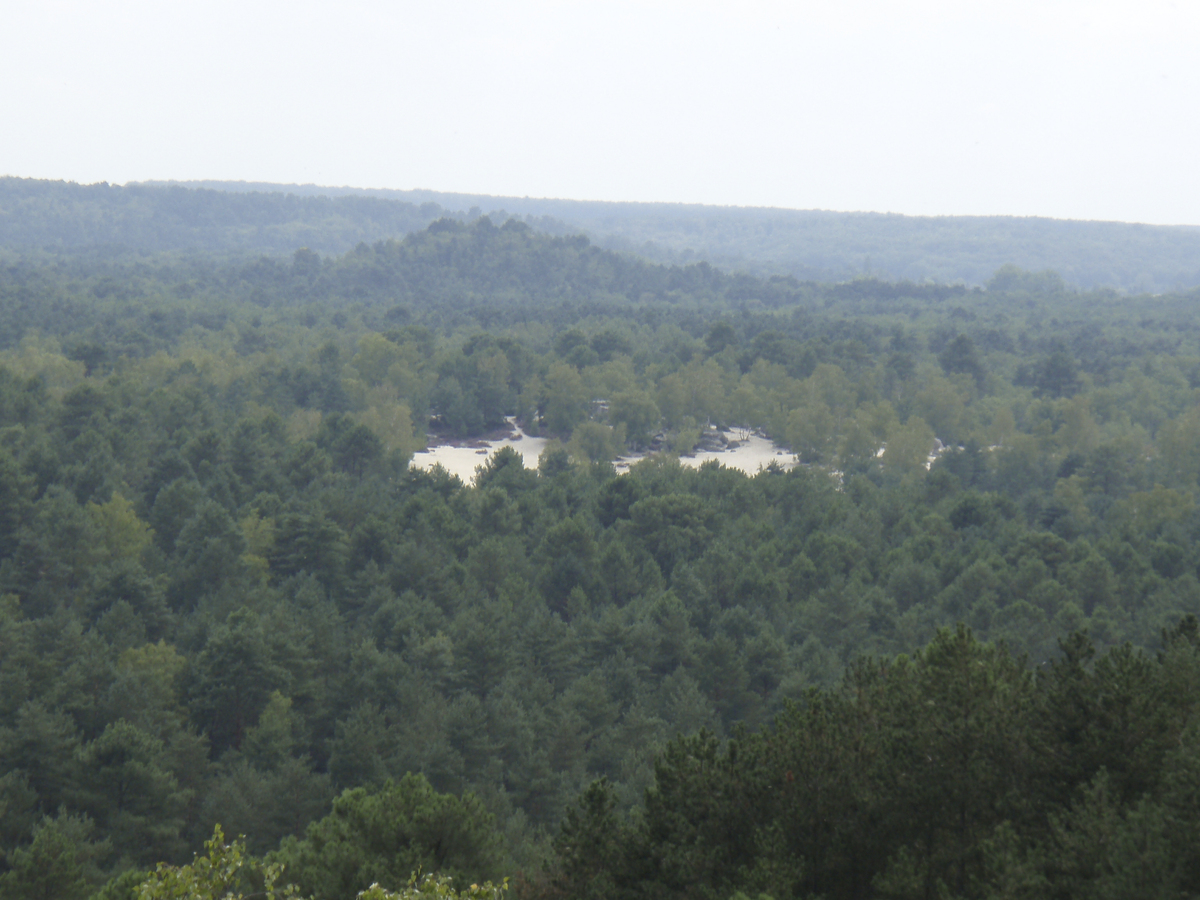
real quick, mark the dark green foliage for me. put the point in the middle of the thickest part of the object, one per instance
(960, 357)
(232, 678)
(61, 863)
(956, 772)
(126, 782)
(381, 837)
(588, 849)
(224, 596)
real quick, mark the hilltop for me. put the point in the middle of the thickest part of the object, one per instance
(824, 245)
(246, 219)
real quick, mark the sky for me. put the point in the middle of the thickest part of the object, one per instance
(1079, 109)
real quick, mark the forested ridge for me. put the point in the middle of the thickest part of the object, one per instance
(227, 598)
(64, 216)
(827, 245)
(246, 219)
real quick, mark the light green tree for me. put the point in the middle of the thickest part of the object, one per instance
(376, 355)
(384, 835)
(120, 533)
(438, 887)
(908, 447)
(639, 414)
(594, 442)
(224, 872)
(566, 399)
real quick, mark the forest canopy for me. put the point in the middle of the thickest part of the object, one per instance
(226, 598)
(250, 218)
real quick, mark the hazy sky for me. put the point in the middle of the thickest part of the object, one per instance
(1074, 109)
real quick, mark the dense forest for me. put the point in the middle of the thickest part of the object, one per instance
(825, 245)
(57, 216)
(952, 653)
(821, 245)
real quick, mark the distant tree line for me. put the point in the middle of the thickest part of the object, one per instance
(819, 245)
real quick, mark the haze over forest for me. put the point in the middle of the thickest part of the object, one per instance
(953, 651)
(810, 245)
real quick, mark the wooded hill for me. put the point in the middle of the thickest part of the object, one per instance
(227, 599)
(238, 217)
(824, 245)
(64, 216)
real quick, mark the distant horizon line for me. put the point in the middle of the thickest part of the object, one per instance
(282, 187)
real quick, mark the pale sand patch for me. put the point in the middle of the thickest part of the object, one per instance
(753, 452)
(462, 461)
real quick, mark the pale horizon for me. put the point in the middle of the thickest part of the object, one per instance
(1060, 110)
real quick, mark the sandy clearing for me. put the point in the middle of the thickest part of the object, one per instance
(753, 452)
